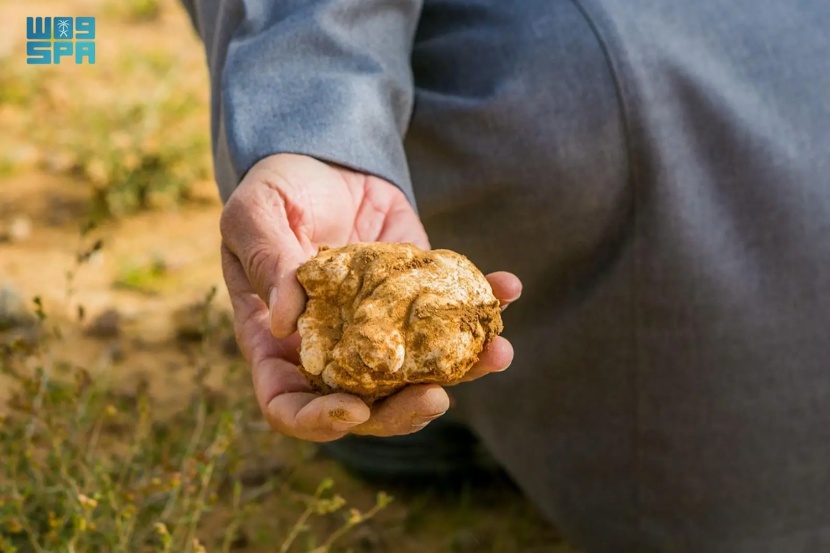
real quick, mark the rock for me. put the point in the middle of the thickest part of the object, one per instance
(240, 539)
(193, 323)
(20, 229)
(256, 472)
(20, 339)
(105, 325)
(13, 310)
(189, 322)
(367, 538)
(115, 353)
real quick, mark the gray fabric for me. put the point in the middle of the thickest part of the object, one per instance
(656, 173)
(339, 67)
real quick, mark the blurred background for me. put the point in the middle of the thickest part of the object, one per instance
(126, 416)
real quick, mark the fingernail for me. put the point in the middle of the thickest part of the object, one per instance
(508, 301)
(502, 370)
(339, 420)
(343, 426)
(424, 420)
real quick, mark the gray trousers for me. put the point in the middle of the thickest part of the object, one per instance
(656, 172)
(666, 202)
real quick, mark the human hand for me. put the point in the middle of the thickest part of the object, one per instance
(286, 207)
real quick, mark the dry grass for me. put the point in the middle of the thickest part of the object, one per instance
(87, 467)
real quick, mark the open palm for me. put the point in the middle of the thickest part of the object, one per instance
(283, 211)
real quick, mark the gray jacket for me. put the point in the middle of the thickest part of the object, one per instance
(656, 171)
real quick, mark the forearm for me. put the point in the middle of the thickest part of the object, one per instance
(326, 78)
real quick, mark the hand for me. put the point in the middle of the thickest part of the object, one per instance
(283, 210)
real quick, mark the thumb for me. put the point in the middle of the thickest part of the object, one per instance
(255, 229)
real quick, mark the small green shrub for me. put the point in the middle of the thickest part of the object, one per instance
(17, 85)
(89, 466)
(136, 10)
(140, 142)
(144, 278)
(137, 153)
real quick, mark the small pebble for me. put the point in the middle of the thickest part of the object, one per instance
(105, 325)
(20, 229)
(13, 310)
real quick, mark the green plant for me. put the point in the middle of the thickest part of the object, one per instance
(152, 158)
(138, 147)
(88, 466)
(136, 10)
(144, 9)
(145, 278)
(18, 86)
(321, 504)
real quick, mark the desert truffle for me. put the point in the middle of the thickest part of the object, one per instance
(381, 316)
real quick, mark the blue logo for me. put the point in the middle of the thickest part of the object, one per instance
(50, 39)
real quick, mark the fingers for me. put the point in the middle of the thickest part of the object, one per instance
(255, 229)
(416, 406)
(400, 224)
(283, 394)
(406, 411)
(496, 357)
(315, 418)
(251, 318)
(291, 408)
(506, 287)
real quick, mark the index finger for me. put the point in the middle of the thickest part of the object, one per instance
(255, 229)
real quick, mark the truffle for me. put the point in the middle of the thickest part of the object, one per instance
(380, 316)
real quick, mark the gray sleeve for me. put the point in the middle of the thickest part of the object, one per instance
(326, 78)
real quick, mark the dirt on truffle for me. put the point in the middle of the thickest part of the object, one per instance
(381, 316)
